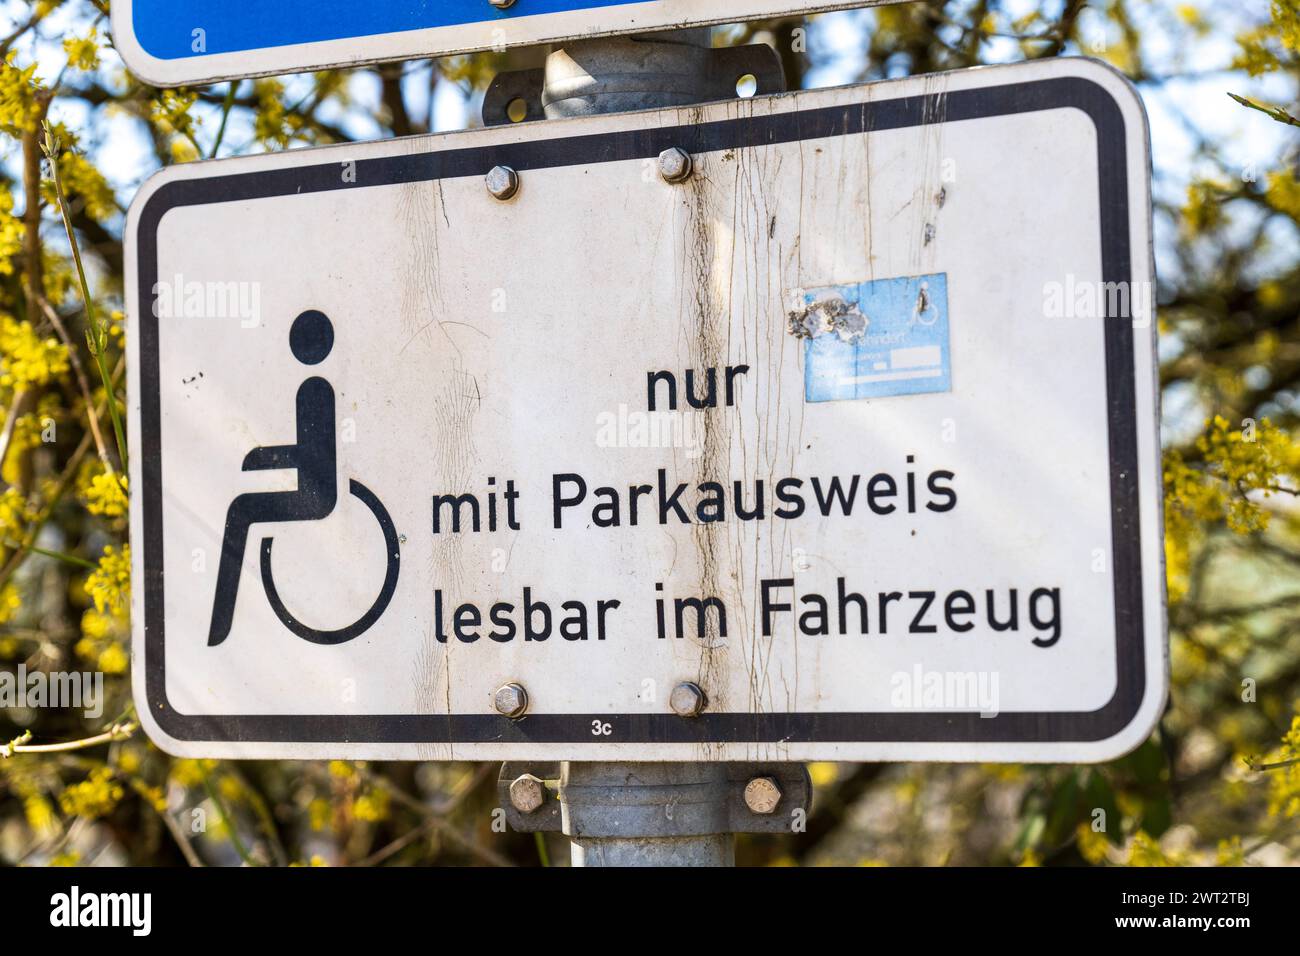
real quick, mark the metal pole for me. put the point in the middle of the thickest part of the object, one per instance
(638, 814)
(644, 814)
(647, 814)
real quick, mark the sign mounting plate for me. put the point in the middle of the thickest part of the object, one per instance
(855, 430)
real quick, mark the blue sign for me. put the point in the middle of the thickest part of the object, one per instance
(872, 339)
(188, 42)
(165, 29)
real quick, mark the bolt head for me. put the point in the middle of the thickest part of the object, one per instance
(527, 793)
(687, 700)
(502, 182)
(762, 795)
(510, 700)
(502, 4)
(675, 165)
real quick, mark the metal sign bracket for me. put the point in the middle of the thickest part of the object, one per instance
(605, 801)
(629, 73)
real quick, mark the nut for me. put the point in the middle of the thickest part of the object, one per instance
(762, 795)
(687, 700)
(527, 793)
(502, 182)
(675, 165)
(510, 700)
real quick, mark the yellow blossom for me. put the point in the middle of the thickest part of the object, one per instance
(83, 52)
(114, 659)
(342, 769)
(109, 585)
(190, 773)
(103, 493)
(10, 602)
(1284, 781)
(372, 806)
(1145, 851)
(823, 773)
(39, 813)
(94, 797)
(319, 813)
(26, 359)
(1092, 845)
(1230, 853)
(128, 760)
(11, 233)
(20, 93)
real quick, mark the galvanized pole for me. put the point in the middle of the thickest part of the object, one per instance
(638, 814)
(646, 814)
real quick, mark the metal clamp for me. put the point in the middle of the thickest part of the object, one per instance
(605, 76)
(653, 799)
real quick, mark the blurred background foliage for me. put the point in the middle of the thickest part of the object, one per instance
(1218, 781)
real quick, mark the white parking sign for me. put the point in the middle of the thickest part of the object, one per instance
(813, 426)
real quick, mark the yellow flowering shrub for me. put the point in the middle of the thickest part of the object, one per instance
(10, 602)
(170, 112)
(16, 512)
(103, 493)
(1093, 846)
(19, 92)
(28, 359)
(1284, 793)
(1144, 850)
(83, 52)
(1238, 469)
(96, 796)
(30, 431)
(319, 812)
(40, 814)
(109, 585)
(190, 773)
(82, 180)
(11, 232)
(271, 124)
(100, 633)
(372, 806)
(1283, 193)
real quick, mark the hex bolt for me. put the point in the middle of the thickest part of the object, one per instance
(687, 700)
(527, 793)
(502, 4)
(502, 182)
(675, 165)
(762, 795)
(510, 700)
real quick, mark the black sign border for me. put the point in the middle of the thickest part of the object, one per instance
(709, 728)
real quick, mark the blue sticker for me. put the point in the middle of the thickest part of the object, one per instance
(887, 337)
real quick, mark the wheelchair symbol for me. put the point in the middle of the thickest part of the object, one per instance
(314, 457)
(362, 624)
